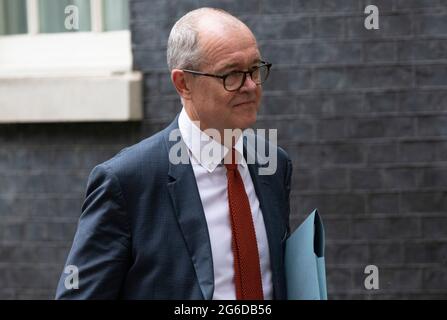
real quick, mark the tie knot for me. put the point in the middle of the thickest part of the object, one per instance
(233, 165)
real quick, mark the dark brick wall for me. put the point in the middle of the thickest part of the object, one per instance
(362, 114)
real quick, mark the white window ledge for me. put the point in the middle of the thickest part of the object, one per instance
(69, 77)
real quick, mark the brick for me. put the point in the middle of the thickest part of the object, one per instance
(432, 126)
(266, 27)
(383, 203)
(435, 201)
(386, 253)
(382, 153)
(10, 206)
(30, 253)
(290, 79)
(381, 102)
(325, 6)
(304, 179)
(44, 183)
(336, 229)
(419, 50)
(71, 134)
(13, 158)
(391, 228)
(329, 204)
(345, 254)
(413, 4)
(139, 11)
(87, 157)
(329, 78)
(401, 178)
(435, 278)
(294, 130)
(365, 179)
(431, 75)
(415, 151)
(440, 151)
(279, 53)
(278, 105)
(362, 77)
(336, 179)
(381, 127)
(166, 86)
(54, 207)
(151, 32)
(329, 129)
(338, 280)
(147, 59)
(344, 154)
(325, 51)
(383, 51)
(328, 27)
(161, 107)
(151, 83)
(434, 178)
(418, 100)
(430, 24)
(330, 104)
(326, 154)
(176, 8)
(280, 6)
(426, 252)
(380, 77)
(434, 228)
(233, 6)
(12, 231)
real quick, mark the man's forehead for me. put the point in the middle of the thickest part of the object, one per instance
(229, 51)
(232, 63)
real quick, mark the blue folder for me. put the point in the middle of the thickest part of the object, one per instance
(304, 261)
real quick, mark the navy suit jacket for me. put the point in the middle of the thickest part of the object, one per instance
(143, 234)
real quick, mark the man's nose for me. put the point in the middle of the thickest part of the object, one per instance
(249, 84)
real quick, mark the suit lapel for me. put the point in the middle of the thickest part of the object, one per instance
(191, 218)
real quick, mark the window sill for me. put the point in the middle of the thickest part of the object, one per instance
(71, 99)
(70, 77)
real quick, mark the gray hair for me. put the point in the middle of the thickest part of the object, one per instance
(183, 50)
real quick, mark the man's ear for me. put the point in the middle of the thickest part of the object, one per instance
(178, 78)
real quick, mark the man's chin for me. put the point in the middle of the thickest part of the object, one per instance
(245, 122)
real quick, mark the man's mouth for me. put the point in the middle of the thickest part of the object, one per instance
(244, 103)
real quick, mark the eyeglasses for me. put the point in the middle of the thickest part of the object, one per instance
(234, 80)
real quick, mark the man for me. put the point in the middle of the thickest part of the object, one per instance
(210, 228)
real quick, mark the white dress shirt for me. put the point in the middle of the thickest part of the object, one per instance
(211, 180)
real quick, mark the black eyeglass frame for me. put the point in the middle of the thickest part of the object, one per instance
(224, 76)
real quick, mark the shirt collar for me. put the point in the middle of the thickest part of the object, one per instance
(203, 149)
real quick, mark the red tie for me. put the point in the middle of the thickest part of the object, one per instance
(247, 270)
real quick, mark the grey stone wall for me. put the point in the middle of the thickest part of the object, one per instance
(362, 113)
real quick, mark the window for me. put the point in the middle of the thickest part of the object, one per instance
(48, 16)
(67, 74)
(13, 17)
